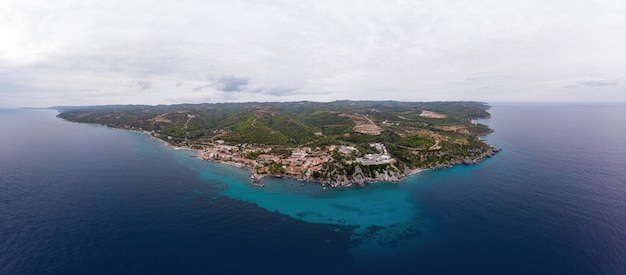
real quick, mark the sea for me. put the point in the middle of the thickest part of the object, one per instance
(87, 199)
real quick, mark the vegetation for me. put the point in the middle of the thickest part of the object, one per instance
(412, 139)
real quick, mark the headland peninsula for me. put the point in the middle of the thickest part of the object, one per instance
(340, 143)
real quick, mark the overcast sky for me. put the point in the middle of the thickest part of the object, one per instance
(163, 52)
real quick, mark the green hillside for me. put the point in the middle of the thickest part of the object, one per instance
(419, 134)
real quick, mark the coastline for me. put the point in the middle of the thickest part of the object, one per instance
(335, 165)
(256, 178)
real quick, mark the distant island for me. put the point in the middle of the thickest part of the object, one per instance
(340, 143)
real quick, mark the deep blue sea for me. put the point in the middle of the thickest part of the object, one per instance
(78, 198)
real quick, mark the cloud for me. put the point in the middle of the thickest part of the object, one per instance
(143, 85)
(280, 91)
(275, 91)
(592, 83)
(231, 83)
(310, 50)
(201, 87)
(244, 85)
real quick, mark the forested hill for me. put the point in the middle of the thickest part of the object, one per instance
(417, 134)
(280, 123)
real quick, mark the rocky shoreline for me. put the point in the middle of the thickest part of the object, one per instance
(358, 178)
(336, 144)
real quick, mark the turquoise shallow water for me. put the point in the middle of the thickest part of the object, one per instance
(78, 198)
(380, 213)
(380, 216)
